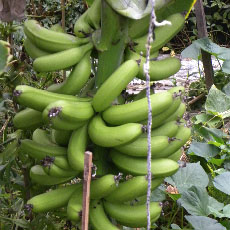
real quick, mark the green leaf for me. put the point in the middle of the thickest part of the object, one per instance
(175, 227)
(214, 204)
(222, 182)
(226, 89)
(217, 162)
(191, 51)
(226, 66)
(192, 174)
(203, 223)
(224, 214)
(217, 102)
(195, 200)
(204, 150)
(158, 195)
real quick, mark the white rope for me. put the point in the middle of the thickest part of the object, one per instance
(153, 22)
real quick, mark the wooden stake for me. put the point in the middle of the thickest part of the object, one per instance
(202, 33)
(86, 189)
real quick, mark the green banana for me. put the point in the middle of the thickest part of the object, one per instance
(49, 40)
(65, 115)
(40, 136)
(52, 199)
(55, 122)
(175, 6)
(162, 117)
(177, 114)
(138, 110)
(163, 34)
(39, 151)
(74, 207)
(55, 171)
(57, 28)
(93, 16)
(132, 216)
(99, 188)
(106, 136)
(60, 161)
(97, 217)
(77, 78)
(142, 94)
(159, 69)
(82, 28)
(131, 189)
(32, 50)
(25, 95)
(114, 85)
(69, 111)
(138, 28)
(28, 119)
(168, 129)
(77, 147)
(39, 176)
(139, 147)
(181, 138)
(161, 167)
(175, 156)
(61, 137)
(61, 60)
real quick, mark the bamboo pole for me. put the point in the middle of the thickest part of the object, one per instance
(86, 189)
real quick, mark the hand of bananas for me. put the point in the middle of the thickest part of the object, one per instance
(112, 129)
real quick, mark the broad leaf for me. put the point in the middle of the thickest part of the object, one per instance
(217, 162)
(214, 204)
(226, 66)
(195, 200)
(175, 227)
(203, 150)
(224, 214)
(191, 51)
(226, 89)
(203, 222)
(217, 102)
(192, 174)
(158, 195)
(222, 182)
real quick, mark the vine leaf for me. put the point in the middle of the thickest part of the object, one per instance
(218, 103)
(192, 174)
(222, 182)
(203, 222)
(204, 150)
(195, 200)
(194, 51)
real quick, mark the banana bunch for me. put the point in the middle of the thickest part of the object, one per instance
(70, 118)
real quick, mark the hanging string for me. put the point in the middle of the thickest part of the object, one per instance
(153, 23)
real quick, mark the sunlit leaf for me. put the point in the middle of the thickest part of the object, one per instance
(192, 174)
(203, 222)
(222, 182)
